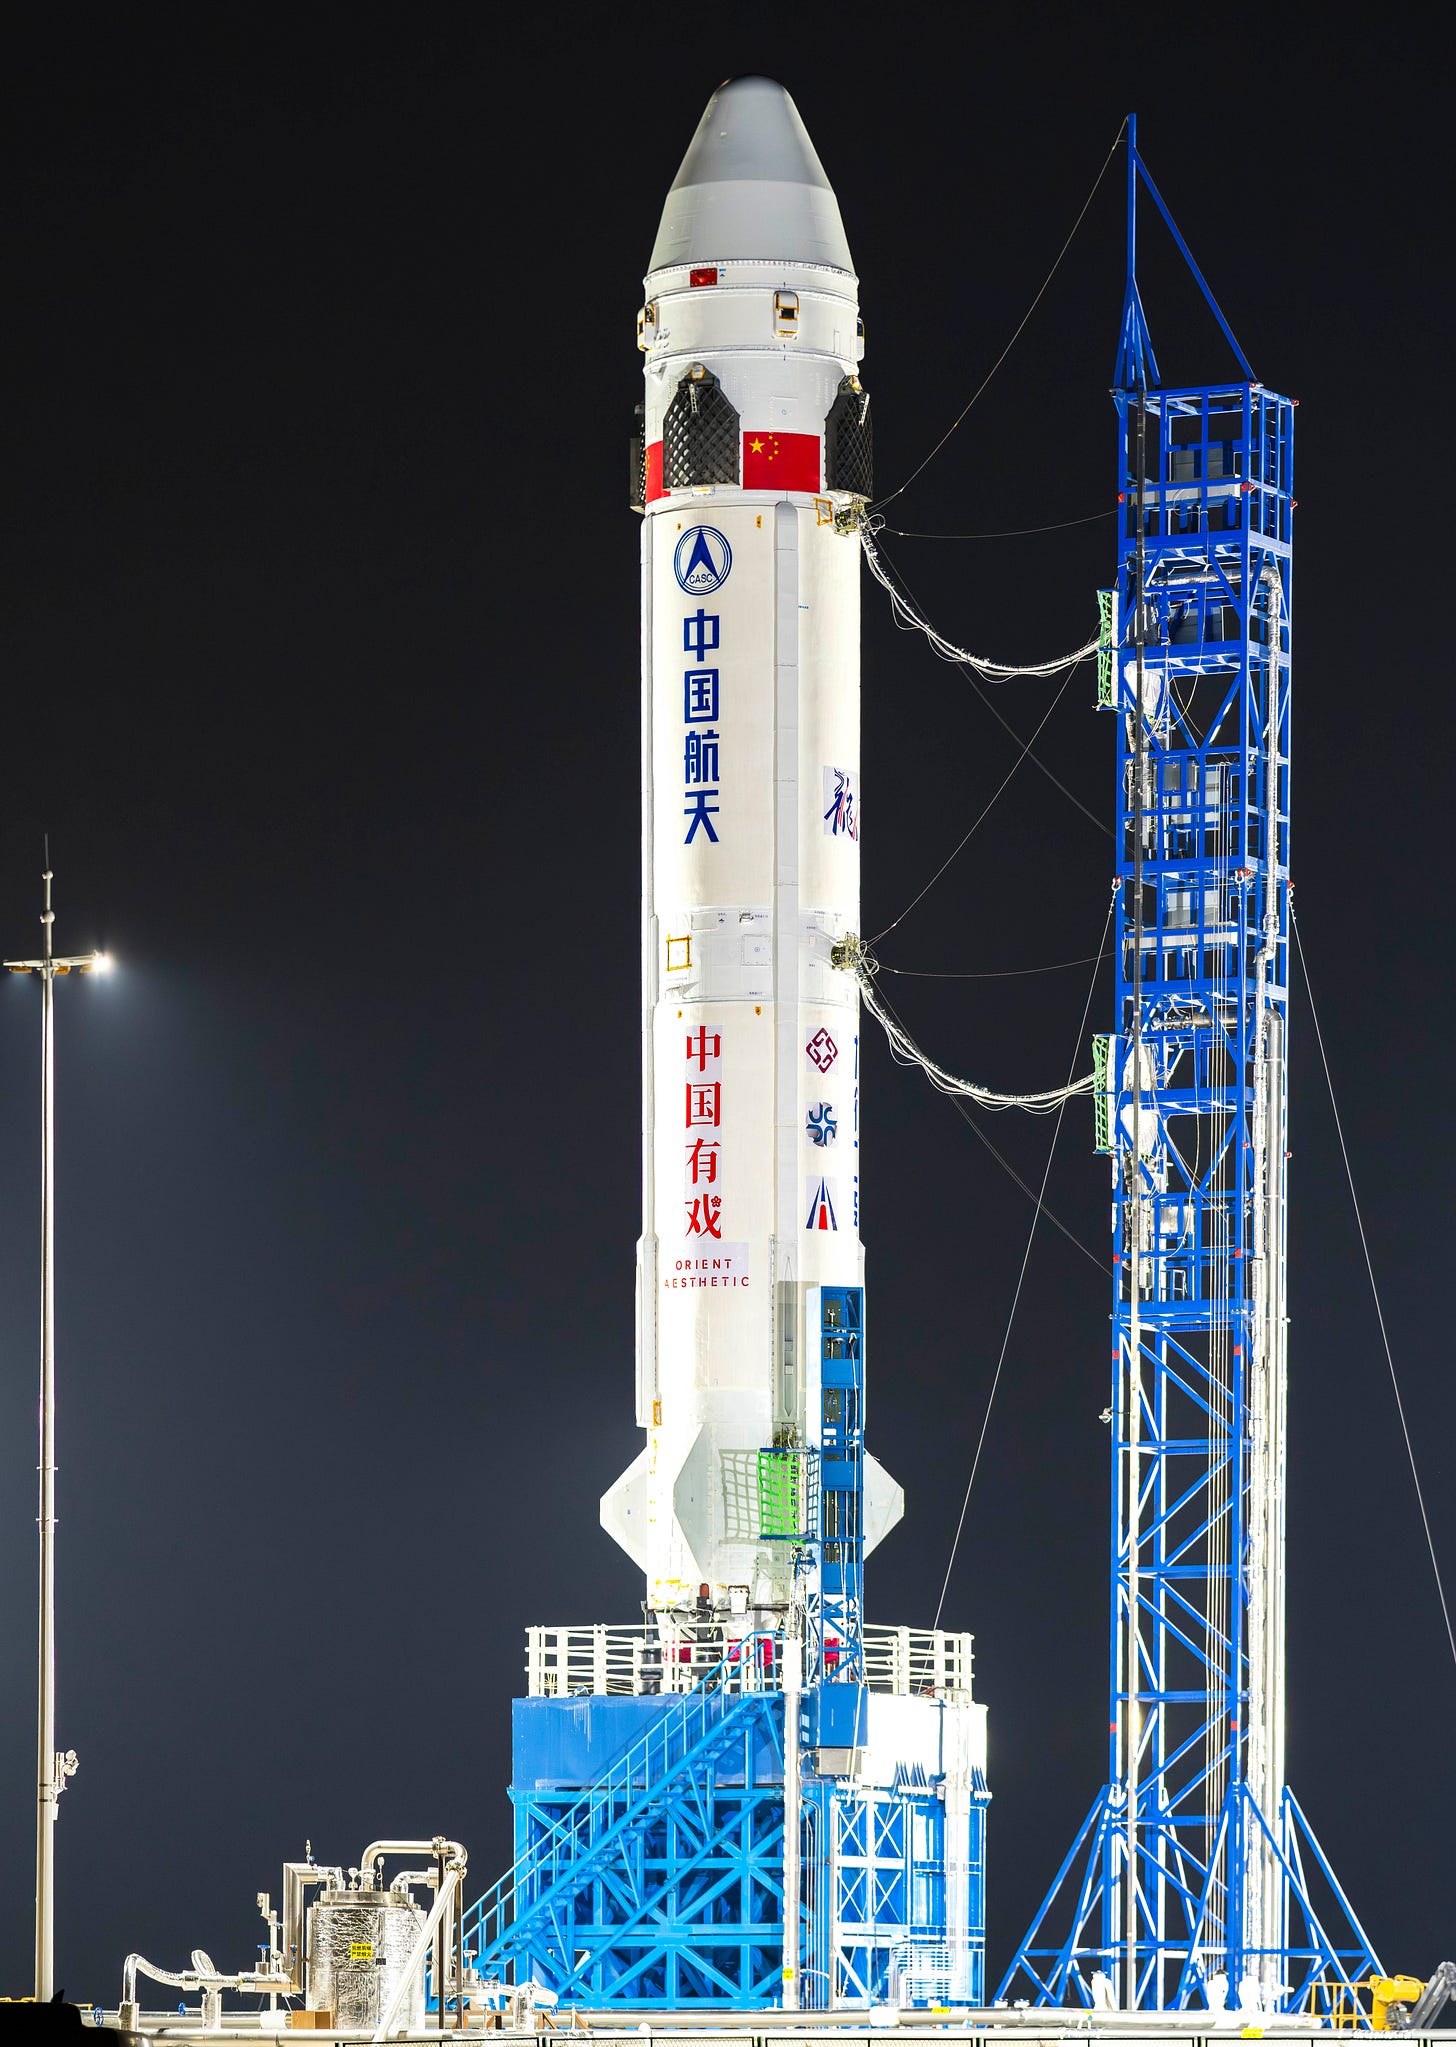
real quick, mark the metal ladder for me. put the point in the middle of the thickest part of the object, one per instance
(638, 1786)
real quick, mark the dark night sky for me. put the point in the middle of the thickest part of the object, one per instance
(319, 642)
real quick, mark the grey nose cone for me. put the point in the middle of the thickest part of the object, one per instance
(751, 187)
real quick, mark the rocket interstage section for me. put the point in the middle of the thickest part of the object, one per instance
(755, 444)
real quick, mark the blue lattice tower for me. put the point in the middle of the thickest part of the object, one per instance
(1195, 1863)
(650, 1782)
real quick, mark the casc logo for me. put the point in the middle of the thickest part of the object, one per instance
(701, 561)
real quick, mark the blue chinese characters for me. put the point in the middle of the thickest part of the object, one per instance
(701, 689)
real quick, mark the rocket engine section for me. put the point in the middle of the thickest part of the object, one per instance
(755, 453)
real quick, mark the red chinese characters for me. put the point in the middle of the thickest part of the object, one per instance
(702, 1121)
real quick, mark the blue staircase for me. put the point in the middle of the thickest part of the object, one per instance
(533, 1920)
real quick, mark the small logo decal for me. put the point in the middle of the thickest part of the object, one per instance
(841, 803)
(701, 561)
(821, 1207)
(821, 1124)
(822, 1050)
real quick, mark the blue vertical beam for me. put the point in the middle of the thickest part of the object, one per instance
(836, 1606)
(1137, 365)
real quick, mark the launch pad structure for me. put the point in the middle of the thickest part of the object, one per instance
(654, 1863)
(752, 1807)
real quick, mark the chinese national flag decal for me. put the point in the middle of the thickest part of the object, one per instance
(653, 479)
(780, 461)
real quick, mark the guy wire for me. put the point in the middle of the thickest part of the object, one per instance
(1017, 335)
(1374, 1289)
(1021, 1275)
(984, 814)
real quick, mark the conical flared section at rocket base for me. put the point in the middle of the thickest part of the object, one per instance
(750, 850)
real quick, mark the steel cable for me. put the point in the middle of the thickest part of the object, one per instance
(911, 622)
(1021, 1275)
(905, 1052)
(1086, 203)
(1374, 1289)
(910, 617)
(1007, 533)
(981, 816)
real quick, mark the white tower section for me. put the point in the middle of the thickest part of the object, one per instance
(750, 849)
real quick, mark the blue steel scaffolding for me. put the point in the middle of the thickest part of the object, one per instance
(1195, 1879)
(650, 1785)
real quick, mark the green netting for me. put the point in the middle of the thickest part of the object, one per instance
(1106, 642)
(780, 1495)
(1102, 1067)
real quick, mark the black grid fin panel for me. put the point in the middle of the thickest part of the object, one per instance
(637, 460)
(849, 442)
(700, 438)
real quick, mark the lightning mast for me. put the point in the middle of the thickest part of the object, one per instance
(1195, 1879)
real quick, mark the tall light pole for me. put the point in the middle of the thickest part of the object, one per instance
(52, 1767)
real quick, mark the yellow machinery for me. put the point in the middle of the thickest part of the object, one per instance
(1398, 2004)
(1386, 1991)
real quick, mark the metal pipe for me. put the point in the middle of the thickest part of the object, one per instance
(1266, 1572)
(201, 1976)
(459, 1918)
(297, 1878)
(443, 1899)
(1132, 1727)
(441, 1932)
(793, 1677)
(378, 1849)
(46, 1764)
(52, 1768)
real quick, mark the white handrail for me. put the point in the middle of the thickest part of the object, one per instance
(634, 1659)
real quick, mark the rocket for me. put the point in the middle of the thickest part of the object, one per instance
(752, 463)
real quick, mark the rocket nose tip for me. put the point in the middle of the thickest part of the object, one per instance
(751, 186)
(751, 129)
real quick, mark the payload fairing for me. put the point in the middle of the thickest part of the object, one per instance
(755, 445)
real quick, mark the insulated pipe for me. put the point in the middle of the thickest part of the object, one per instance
(297, 1878)
(378, 1849)
(201, 1976)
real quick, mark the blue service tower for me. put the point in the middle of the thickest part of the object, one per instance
(1195, 1880)
(749, 1796)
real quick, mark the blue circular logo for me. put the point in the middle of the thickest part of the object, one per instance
(701, 560)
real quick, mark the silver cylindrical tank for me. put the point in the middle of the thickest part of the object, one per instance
(359, 1943)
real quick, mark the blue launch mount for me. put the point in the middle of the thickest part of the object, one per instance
(1195, 1879)
(649, 1780)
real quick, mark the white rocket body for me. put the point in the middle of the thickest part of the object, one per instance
(750, 851)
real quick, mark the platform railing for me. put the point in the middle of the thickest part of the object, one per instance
(609, 1808)
(631, 1660)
